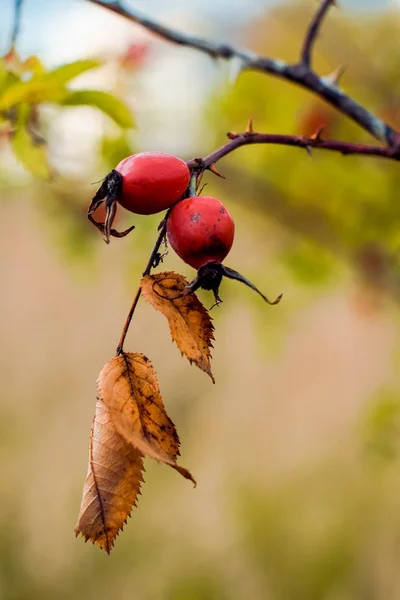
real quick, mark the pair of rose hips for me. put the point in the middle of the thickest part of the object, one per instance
(199, 228)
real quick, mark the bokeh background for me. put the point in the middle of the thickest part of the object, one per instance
(296, 447)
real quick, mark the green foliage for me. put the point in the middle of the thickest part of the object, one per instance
(107, 103)
(381, 426)
(26, 85)
(29, 152)
(309, 264)
(334, 205)
(65, 73)
(113, 149)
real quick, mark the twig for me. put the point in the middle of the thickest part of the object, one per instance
(17, 21)
(301, 74)
(154, 259)
(246, 138)
(313, 31)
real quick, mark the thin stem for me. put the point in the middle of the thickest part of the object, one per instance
(300, 73)
(151, 262)
(17, 21)
(313, 31)
(244, 139)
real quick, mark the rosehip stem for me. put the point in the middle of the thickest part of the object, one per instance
(154, 259)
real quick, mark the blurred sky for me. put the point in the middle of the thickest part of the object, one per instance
(49, 26)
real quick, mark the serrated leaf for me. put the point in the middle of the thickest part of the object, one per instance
(31, 155)
(112, 484)
(65, 73)
(128, 386)
(107, 103)
(189, 322)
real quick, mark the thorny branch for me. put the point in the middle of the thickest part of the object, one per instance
(313, 31)
(152, 262)
(301, 73)
(249, 137)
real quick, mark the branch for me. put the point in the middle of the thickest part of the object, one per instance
(301, 74)
(316, 141)
(313, 31)
(17, 21)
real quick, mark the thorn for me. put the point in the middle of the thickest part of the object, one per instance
(336, 75)
(308, 150)
(214, 170)
(249, 128)
(198, 179)
(232, 135)
(317, 136)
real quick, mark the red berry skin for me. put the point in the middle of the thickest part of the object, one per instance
(152, 182)
(200, 230)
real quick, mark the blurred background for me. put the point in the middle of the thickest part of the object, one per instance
(296, 447)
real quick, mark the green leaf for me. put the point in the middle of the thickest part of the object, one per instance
(33, 64)
(44, 87)
(107, 103)
(34, 91)
(31, 155)
(7, 77)
(65, 73)
(114, 148)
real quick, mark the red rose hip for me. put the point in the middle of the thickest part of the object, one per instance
(144, 183)
(200, 230)
(151, 182)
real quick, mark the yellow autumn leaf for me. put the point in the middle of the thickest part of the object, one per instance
(189, 322)
(129, 388)
(112, 484)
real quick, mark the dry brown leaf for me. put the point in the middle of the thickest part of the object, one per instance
(112, 484)
(128, 386)
(189, 322)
